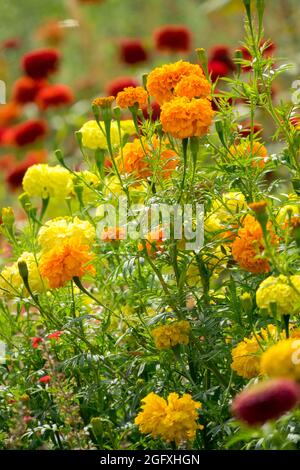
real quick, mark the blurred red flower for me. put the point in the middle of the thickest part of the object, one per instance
(269, 49)
(173, 38)
(223, 54)
(245, 128)
(15, 174)
(36, 341)
(54, 96)
(25, 89)
(26, 133)
(45, 379)
(11, 43)
(132, 51)
(118, 84)
(217, 69)
(41, 62)
(56, 335)
(266, 401)
(155, 114)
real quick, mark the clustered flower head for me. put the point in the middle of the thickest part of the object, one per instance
(173, 420)
(61, 264)
(54, 96)
(161, 82)
(246, 356)
(282, 360)
(93, 136)
(46, 181)
(170, 335)
(25, 133)
(142, 159)
(131, 96)
(57, 231)
(11, 283)
(184, 118)
(248, 247)
(41, 63)
(281, 293)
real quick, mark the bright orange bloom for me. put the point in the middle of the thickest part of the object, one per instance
(162, 81)
(184, 118)
(193, 86)
(143, 161)
(131, 95)
(8, 113)
(257, 153)
(61, 264)
(154, 242)
(248, 246)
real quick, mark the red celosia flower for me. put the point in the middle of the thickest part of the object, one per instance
(155, 114)
(54, 96)
(217, 69)
(26, 133)
(25, 90)
(45, 379)
(173, 38)
(222, 54)
(118, 84)
(245, 128)
(14, 176)
(266, 401)
(132, 51)
(36, 341)
(40, 63)
(56, 335)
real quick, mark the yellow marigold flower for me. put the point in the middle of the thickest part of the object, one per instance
(246, 356)
(62, 263)
(45, 181)
(93, 137)
(231, 204)
(173, 420)
(184, 118)
(57, 231)
(257, 152)
(282, 359)
(193, 86)
(161, 82)
(11, 283)
(113, 189)
(248, 246)
(160, 161)
(281, 291)
(289, 210)
(168, 336)
(132, 95)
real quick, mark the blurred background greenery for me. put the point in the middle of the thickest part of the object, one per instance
(90, 45)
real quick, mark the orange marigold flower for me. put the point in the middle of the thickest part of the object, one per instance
(184, 118)
(154, 242)
(248, 246)
(162, 81)
(193, 86)
(144, 160)
(131, 95)
(104, 101)
(258, 207)
(257, 152)
(9, 112)
(60, 265)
